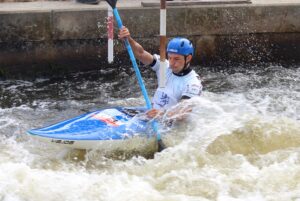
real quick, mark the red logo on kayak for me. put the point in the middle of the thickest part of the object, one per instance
(107, 119)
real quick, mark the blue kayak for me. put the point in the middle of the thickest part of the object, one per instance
(94, 129)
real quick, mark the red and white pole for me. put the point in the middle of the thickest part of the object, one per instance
(163, 40)
(110, 35)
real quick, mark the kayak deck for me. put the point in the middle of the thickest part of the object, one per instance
(107, 124)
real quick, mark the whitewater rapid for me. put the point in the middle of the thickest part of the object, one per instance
(241, 142)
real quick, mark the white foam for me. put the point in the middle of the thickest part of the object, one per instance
(204, 162)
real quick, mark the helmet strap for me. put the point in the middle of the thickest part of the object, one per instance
(186, 69)
(186, 65)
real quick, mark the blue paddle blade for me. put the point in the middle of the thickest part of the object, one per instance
(112, 3)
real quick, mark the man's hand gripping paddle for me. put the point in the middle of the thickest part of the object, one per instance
(113, 3)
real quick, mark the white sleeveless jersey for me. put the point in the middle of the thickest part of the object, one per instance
(176, 87)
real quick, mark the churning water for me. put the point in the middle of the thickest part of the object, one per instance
(241, 142)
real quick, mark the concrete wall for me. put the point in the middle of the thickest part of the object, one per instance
(50, 41)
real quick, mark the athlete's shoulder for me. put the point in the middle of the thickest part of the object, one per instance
(156, 63)
(193, 86)
(193, 77)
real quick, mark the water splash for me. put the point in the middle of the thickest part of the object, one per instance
(240, 142)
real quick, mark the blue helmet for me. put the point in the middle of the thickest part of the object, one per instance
(180, 46)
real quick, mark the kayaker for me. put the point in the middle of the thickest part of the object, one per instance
(181, 81)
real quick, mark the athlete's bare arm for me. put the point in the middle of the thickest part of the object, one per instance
(139, 52)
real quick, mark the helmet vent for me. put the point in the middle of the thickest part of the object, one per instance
(182, 44)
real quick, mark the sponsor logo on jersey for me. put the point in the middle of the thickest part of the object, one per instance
(163, 100)
(194, 89)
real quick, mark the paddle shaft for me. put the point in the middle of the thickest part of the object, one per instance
(160, 143)
(133, 61)
(161, 146)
